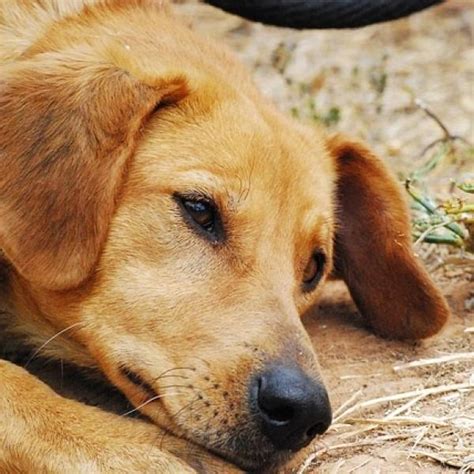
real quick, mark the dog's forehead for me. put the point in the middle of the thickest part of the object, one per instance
(236, 145)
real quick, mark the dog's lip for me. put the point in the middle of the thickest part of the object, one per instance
(250, 464)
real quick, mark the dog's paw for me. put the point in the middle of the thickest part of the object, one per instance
(43, 432)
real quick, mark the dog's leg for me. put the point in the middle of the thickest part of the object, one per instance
(43, 432)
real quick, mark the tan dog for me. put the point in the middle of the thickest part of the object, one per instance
(162, 223)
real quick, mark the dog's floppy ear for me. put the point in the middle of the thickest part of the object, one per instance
(373, 250)
(67, 127)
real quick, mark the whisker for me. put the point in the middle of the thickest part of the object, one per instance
(166, 373)
(180, 411)
(152, 399)
(177, 376)
(205, 362)
(140, 388)
(52, 338)
(164, 434)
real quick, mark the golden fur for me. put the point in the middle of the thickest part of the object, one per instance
(107, 109)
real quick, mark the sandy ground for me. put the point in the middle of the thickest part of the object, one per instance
(365, 82)
(360, 366)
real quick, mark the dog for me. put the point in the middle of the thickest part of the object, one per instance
(163, 224)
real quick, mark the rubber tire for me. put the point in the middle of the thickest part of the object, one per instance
(322, 14)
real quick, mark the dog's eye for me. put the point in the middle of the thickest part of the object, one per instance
(314, 271)
(202, 213)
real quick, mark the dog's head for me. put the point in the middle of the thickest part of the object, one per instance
(181, 226)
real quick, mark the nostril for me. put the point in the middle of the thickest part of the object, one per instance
(282, 414)
(275, 408)
(317, 429)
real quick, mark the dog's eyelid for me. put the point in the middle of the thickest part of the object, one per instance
(196, 195)
(202, 214)
(314, 271)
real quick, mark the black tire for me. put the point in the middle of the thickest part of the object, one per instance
(322, 14)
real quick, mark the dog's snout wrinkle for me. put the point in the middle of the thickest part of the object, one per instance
(138, 381)
(292, 407)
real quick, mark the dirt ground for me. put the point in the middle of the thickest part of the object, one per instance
(367, 83)
(360, 367)
(389, 418)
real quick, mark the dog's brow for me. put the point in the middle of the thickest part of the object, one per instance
(202, 176)
(228, 191)
(319, 228)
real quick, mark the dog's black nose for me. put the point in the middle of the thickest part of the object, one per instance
(292, 407)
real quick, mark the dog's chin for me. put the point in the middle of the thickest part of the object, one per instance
(246, 451)
(251, 463)
(248, 456)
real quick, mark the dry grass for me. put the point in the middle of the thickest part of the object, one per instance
(447, 438)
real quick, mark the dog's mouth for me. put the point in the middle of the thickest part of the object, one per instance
(216, 419)
(255, 462)
(236, 449)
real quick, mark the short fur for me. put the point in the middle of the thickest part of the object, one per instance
(107, 110)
